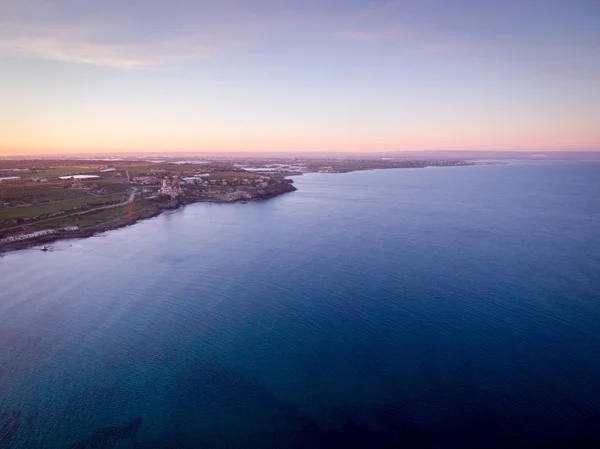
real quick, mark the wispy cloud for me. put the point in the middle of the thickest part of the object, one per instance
(564, 71)
(121, 55)
(471, 47)
(456, 47)
(121, 35)
(146, 33)
(372, 35)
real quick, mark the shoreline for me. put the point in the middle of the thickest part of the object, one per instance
(143, 214)
(132, 217)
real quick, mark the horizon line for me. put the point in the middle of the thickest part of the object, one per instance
(310, 153)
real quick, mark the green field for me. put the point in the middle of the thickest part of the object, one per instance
(26, 199)
(115, 215)
(89, 221)
(28, 192)
(60, 171)
(66, 205)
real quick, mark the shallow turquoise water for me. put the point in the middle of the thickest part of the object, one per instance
(441, 307)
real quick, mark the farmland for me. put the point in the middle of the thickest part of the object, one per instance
(104, 195)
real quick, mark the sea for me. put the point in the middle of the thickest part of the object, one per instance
(446, 307)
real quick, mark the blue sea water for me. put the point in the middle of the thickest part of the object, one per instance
(414, 308)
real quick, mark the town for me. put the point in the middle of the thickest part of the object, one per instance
(44, 200)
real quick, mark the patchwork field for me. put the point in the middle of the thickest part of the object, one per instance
(120, 192)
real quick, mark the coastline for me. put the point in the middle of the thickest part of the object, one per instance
(133, 212)
(142, 214)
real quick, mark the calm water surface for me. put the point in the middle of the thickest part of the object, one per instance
(440, 307)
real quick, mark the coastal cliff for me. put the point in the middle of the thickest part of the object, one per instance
(51, 199)
(232, 194)
(148, 208)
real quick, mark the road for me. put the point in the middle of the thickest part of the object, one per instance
(96, 209)
(110, 206)
(57, 201)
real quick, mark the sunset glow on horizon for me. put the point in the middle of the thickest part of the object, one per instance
(288, 76)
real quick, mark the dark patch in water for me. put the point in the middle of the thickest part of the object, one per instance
(397, 425)
(9, 424)
(216, 406)
(108, 437)
(33, 418)
(400, 425)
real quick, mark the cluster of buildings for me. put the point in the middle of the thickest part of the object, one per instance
(171, 189)
(32, 235)
(173, 185)
(154, 179)
(261, 181)
(15, 170)
(145, 180)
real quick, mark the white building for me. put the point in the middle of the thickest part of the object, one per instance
(79, 177)
(31, 235)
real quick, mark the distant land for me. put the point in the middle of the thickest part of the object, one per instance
(44, 198)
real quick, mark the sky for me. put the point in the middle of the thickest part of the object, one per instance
(310, 75)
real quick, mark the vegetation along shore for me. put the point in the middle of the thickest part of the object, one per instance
(42, 200)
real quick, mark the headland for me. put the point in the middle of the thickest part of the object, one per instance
(42, 200)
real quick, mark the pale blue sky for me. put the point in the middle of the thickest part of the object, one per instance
(328, 75)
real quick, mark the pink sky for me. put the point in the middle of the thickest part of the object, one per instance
(329, 75)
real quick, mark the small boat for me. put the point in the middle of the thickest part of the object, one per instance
(45, 248)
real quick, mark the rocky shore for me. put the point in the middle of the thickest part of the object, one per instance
(221, 196)
(49, 200)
